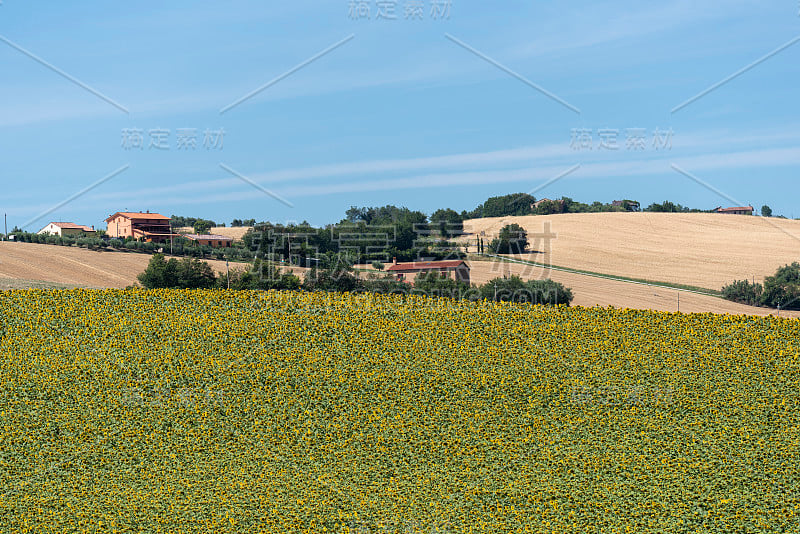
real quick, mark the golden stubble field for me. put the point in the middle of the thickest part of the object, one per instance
(699, 249)
(28, 264)
(591, 291)
(236, 232)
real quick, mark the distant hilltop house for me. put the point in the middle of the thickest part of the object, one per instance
(152, 227)
(741, 210)
(212, 240)
(630, 205)
(67, 229)
(456, 269)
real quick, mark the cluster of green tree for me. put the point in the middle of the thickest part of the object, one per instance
(239, 223)
(781, 290)
(365, 235)
(200, 226)
(512, 240)
(524, 204)
(180, 246)
(670, 207)
(338, 275)
(503, 206)
(191, 273)
(534, 291)
(766, 211)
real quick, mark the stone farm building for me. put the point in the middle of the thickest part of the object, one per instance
(457, 269)
(67, 229)
(143, 226)
(212, 240)
(741, 210)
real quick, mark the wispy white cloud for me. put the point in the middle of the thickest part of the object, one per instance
(528, 177)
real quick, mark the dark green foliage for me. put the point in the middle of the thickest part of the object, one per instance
(513, 204)
(173, 274)
(385, 285)
(160, 273)
(435, 284)
(259, 276)
(202, 226)
(336, 274)
(744, 292)
(447, 222)
(176, 221)
(783, 288)
(512, 240)
(670, 207)
(514, 289)
(766, 211)
(550, 207)
(195, 274)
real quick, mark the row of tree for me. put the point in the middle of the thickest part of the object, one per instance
(180, 246)
(339, 276)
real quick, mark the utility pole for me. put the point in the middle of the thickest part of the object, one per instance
(5, 226)
(170, 237)
(679, 301)
(227, 273)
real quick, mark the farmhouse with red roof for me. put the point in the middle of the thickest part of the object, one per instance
(457, 269)
(741, 210)
(145, 226)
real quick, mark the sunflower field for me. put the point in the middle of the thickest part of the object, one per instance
(220, 411)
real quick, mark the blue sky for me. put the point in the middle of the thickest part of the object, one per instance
(398, 114)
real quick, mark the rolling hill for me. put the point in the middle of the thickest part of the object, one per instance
(698, 249)
(34, 265)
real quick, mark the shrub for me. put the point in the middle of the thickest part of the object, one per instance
(514, 289)
(434, 284)
(173, 274)
(512, 240)
(743, 292)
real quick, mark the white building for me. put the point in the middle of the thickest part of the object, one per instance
(66, 228)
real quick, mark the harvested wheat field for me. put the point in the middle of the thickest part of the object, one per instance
(29, 264)
(592, 291)
(235, 232)
(700, 249)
